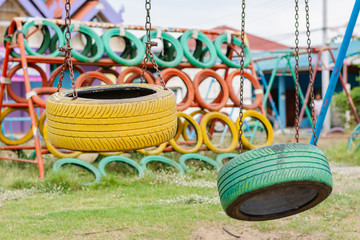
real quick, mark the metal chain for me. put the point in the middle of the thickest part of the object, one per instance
(67, 50)
(149, 44)
(312, 104)
(297, 123)
(242, 60)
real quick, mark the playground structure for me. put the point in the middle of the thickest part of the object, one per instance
(192, 99)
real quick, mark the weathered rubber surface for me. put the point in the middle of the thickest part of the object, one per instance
(156, 158)
(196, 156)
(272, 168)
(108, 125)
(61, 162)
(105, 161)
(221, 157)
(22, 140)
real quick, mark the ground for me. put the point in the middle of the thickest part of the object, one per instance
(163, 205)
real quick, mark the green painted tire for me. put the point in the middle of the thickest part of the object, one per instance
(274, 181)
(61, 162)
(87, 48)
(192, 58)
(46, 41)
(105, 161)
(163, 61)
(222, 39)
(196, 156)
(221, 157)
(99, 44)
(156, 158)
(122, 58)
(44, 45)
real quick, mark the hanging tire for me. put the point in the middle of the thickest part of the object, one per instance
(274, 182)
(111, 118)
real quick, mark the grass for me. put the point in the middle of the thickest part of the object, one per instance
(162, 205)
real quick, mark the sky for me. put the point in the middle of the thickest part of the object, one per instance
(273, 20)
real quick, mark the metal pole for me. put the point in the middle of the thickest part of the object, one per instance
(337, 69)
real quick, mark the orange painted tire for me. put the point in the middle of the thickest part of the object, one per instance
(58, 70)
(12, 72)
(89, 82)
(201, 76)
(42, 91)
(81, 80)
(255, 83)
(169, 73)
(137, 70)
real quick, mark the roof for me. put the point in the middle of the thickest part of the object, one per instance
(81, 9)
(268, 65)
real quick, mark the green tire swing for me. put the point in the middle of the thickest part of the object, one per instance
(99, 44)
(105, 161)
(274, 181)
(194, 59)
(166, 60)
(46, 41)
(129, 37)
(223, 39)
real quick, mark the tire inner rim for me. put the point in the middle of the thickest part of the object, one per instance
(114, 92)
(278, 200)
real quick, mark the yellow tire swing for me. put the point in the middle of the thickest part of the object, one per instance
(108, 118)
(279, 180)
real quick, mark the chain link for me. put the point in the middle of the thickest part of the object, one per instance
(312, 104)
(297, 123)
(242, 60)
(67, 50)
(149, 44)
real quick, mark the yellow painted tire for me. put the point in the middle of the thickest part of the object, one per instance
(156, 151)
(42, 123)
(179, 129)
(198, 133)
(211, 115)
(264, 121)
(111, 118)
(185, 124)
(22, 140)
(53, 150)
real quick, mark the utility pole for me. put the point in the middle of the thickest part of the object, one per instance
(325, 73)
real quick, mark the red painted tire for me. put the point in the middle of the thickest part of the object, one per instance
(121, 79)
(58, 70)
(169, 73)
(12, 72)
(83, 78)
(255, 83)
(43, 91)
(201, 76)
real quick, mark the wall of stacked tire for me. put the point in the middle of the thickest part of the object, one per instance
(201, 123)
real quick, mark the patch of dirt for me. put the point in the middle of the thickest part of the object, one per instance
(212, 232)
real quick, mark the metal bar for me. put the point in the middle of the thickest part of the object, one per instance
(337, 68)
(346, 92)
(19, 160)
(271, 81)
(309, 86)
(300, 93)
(30, 103)
(272, 103)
